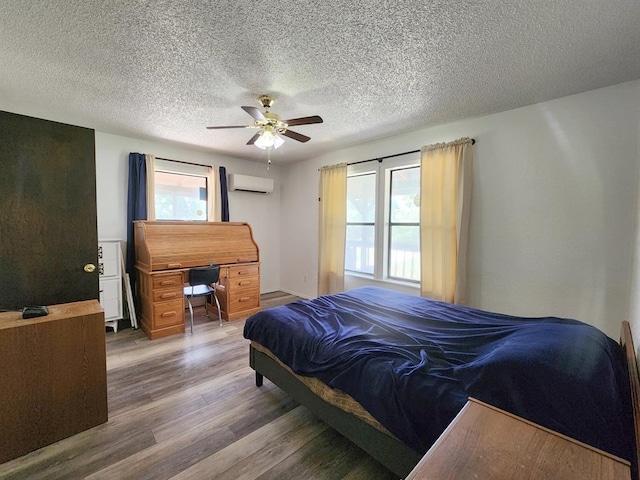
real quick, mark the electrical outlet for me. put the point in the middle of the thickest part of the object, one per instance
(306, 279)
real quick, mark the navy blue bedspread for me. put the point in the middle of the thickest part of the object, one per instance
(413, 362)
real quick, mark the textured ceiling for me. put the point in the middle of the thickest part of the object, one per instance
(166, 69)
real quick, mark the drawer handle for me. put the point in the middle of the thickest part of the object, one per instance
(168, 295)
(243, 283)
(174, 265)
(167, 282)
(244, 299)
(243, 272)
(168, 314)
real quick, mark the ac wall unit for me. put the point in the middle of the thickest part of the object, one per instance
(246, 183)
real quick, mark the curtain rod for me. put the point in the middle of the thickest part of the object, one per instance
(180, 161)
(380, 159)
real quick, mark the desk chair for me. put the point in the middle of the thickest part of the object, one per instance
(202, 283)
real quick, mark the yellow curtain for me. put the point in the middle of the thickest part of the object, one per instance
(150, 164)
(213, 194)
(332, 228)
(445, 193)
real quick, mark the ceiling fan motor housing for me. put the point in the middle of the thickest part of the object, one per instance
(266, 101)
(273, 121)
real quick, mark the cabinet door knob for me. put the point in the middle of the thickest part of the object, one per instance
(89, 268)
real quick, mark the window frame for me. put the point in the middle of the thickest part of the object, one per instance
(382, 229)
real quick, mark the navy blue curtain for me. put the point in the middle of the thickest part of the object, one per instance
(224, 195)
(136, 204)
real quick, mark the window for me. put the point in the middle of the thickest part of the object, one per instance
(180, 191)
(383, 220)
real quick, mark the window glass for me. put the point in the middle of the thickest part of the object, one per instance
(360, 248)
(405, 195)
(404, 224)
(404, 252)
(180, 197)
(361, 215)
(361, 198)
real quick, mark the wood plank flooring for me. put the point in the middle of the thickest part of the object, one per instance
(186, 407)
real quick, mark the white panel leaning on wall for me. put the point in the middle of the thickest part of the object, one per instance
(114, 284)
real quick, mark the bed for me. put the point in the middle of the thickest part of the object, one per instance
(390, 371)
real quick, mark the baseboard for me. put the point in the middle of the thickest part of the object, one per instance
(297, 294)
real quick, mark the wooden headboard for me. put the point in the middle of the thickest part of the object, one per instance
(626, 340)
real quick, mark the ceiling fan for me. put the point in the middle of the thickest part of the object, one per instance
(271, 126)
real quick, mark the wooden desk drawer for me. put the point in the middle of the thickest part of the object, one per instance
(243, 271)
(168, 313)
(166, 295)
(239, 303)
(243, 283)
(167, 281)
(237, 294)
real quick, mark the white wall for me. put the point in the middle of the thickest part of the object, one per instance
(553, 206)
(634, 314)
(262, 212)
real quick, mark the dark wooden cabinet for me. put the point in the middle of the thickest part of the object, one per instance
(53, 380)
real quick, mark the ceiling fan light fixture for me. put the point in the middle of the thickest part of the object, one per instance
(277, 141)
(268, 139)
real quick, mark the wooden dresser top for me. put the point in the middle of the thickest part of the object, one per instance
(56, 312)
(486, 442)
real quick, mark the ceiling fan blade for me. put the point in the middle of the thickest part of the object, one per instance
(230, 126)
(304, 120)
(253, 139)
(254, 112)
(296, 136)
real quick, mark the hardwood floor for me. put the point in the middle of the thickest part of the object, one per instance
(186, 407)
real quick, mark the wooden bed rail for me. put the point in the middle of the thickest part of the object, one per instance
(626, 341)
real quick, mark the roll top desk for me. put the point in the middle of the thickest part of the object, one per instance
(165, 250)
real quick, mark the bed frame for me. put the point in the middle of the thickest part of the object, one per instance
(390, 451)
(626, 341)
